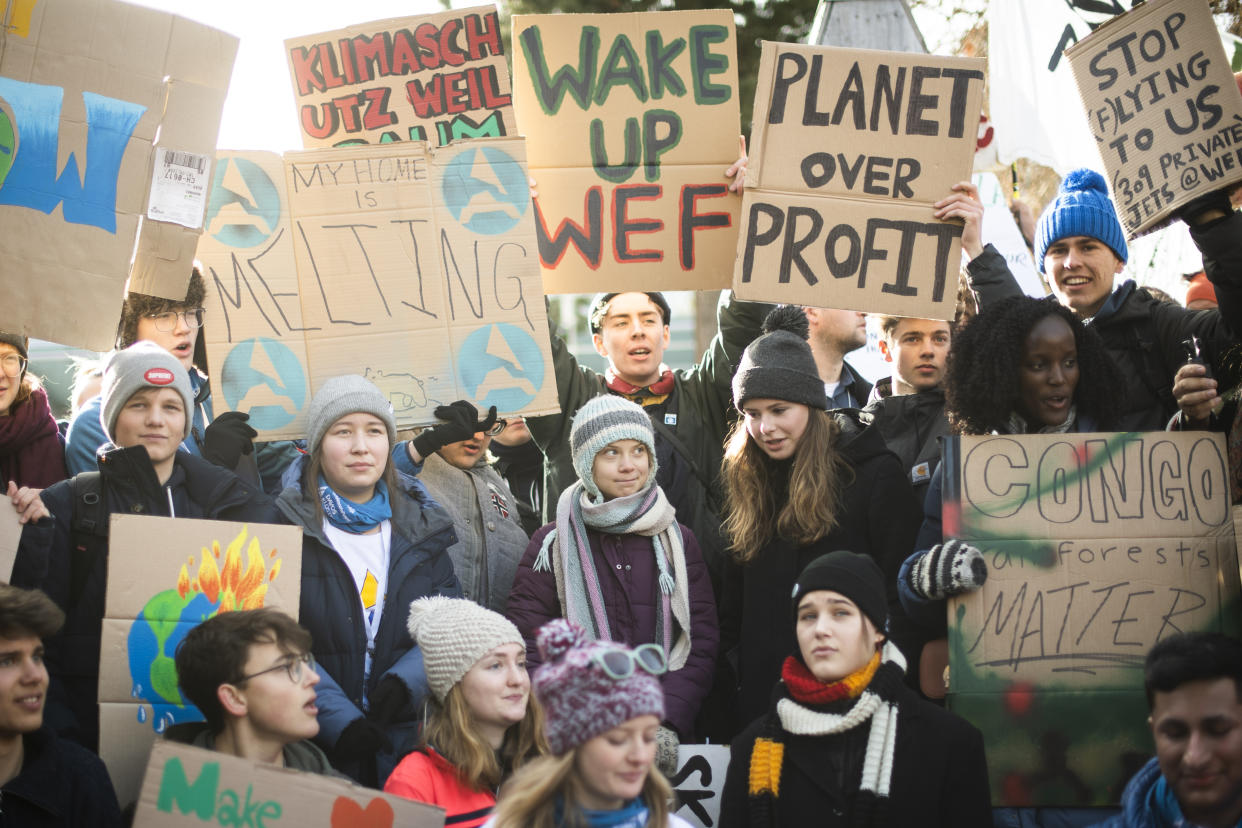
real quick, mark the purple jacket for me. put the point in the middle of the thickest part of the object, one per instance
(627, 573)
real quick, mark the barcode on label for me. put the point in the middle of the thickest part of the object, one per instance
(185, 159)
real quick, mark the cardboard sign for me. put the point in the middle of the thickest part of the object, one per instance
(165, 575)
(699, 782)
(412, 266)
(192, 787)
(436, 78)
(1163, 108)
(632, 120)
(849, 151)
(86, 86)
(10, 539)
(1098, 546)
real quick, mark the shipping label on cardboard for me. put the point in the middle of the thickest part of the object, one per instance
(414, 267)
(1163, 107)
(192, 787)
(632, 120)
(436, 78)
(165, 576)
(1098, 546)
(85, 86)
(849, 151)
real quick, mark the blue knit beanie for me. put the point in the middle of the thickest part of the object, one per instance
(1081, 208)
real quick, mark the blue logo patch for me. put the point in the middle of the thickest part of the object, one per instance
(486, 190)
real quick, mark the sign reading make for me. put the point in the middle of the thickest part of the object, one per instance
(631, 120)
(1098, 546)
(432, 78)
(1163, 107)
(850, 150)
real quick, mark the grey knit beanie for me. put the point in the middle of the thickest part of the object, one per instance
(779, 364)
(142, 365)
(341, 396)
(603, 420)
(453, 634)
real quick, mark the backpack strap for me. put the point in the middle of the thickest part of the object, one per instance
(88, 531)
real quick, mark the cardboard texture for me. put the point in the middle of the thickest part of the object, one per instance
(165, 575)
(1098, 546)
(188, 786)
(412, 266)
(1162, 106)
(435, 77)
(632, 120)
(85, 88)
(10, 539)
(698, 783)
(849, 150)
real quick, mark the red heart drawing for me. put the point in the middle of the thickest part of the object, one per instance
(349, 814)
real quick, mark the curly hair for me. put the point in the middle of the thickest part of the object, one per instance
(981, 380)
(138, 305)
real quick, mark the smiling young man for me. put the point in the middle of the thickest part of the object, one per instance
(44, 781)
(1081, 247)
(689, 408)
(250, 673)
(145, 400)
(1194, 691)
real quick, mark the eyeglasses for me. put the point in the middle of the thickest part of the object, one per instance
(498, 427)
(12, 364)
(619, 663)
(293, 667)
(167, 321)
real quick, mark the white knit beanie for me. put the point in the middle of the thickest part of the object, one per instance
(603, 420)
(340, 397)
(453, 634)
(142, 365)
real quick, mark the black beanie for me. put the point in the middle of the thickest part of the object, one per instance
(599, 307)
(856, 576)
(779, 364)
(21, 343)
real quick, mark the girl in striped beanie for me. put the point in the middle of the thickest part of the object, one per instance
(845, 740)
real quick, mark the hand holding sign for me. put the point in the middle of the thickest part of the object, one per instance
(28, 504)
(963, 203)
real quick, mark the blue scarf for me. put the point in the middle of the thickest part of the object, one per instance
(354, 517)
(632, 814)
(1164, 803)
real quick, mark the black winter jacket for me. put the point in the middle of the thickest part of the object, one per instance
(911, 425)
(61, 785)
(879, 516)
(940, 775)
(76, 579)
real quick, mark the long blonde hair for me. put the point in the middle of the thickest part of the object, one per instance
(529, 798)
(450, 730)
(754, 509)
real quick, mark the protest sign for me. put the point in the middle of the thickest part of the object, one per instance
(10, 539)
(850, 149)
(165, 575)
(434, 78)
(86, 87)
(632, 120)
(189, 786)
(412, 266)
(1163, 107)
(1098, 546)
(698, 783)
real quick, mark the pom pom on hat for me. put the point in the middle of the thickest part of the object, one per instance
(1081, 208)
(558, 637)
(791, 318)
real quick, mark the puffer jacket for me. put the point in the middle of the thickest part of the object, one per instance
(911, 425)
(331, 610)
(628, 580)
(128, 486)
(698, 412)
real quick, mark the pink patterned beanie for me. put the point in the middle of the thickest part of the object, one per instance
(580, 701)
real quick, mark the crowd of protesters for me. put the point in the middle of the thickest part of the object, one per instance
(538, 659)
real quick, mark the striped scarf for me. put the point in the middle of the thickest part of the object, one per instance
(566, 552)
(873, 691)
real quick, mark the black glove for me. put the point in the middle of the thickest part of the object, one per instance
(361, 739)
(387, 700)
(1214, 200)
(461, 422)
(227, 438)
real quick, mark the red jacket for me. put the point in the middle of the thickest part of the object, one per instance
(628, 576)
(426, 776)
